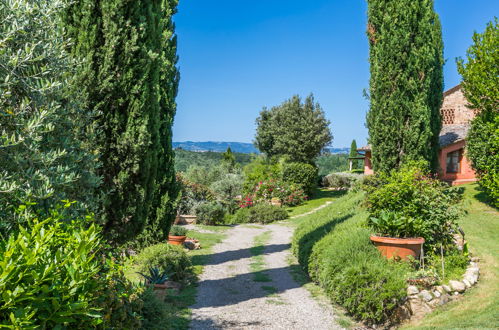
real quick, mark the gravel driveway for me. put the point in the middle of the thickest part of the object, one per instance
(230, 298)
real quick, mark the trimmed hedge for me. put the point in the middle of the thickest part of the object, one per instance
(334, 247)
(260, 213)
(302, 174)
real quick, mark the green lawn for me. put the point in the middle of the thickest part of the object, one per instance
(320, 197)
(478, 308)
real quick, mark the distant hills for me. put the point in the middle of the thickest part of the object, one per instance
(242, 147)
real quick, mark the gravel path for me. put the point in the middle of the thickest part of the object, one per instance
(229, 298)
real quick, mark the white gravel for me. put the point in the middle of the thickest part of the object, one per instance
(229, 298)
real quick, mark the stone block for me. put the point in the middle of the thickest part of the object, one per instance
(412, 289)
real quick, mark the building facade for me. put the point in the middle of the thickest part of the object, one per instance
(455, 167)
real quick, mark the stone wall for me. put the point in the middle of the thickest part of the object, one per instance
(454, 109)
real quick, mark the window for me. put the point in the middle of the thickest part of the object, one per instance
(454, 161)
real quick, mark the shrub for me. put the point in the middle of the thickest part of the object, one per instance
(257, 171)
(155, 312)
(288, 194)
(334, 248)
(340, 180)
(165, 257)
(51, 276)
(192, 194)
(262, 213)
(425, 206)
(177, 231)
(210, 213)
(302, 174)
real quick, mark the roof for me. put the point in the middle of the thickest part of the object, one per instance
(452, 133)
(365, 148)
(452, 90)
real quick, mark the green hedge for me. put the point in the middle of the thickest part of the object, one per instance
(302, 174)
(260, 213)
(333, 246)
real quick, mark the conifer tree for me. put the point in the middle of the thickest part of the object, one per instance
(129, 77)
(406, 59)
(353, 153)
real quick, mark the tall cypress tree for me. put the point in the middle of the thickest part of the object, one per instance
(406, 60)
(353, 153)
(129, 77)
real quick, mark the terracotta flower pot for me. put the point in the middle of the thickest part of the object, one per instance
(176, 240)
(399, 248)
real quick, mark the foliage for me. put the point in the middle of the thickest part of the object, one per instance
(288, 194)
(481, 88)
(355, 276)
(176, 230)
(185, 159)
(51, 275)
(332, 163)
(192, 195)
(227, 189)
(156, 276)
(41, 122)
(211, 213)
(406, 84)
(165, 257)
(260, 169)
(129, 77)
(423, 206)
(334, 248)
(302, 174)
(340, 180)
(203, 175)
(294, 129)
(260, 213)
(353, 153)
(229, 158)
(155, 313)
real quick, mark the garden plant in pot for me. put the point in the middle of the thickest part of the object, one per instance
(408, 207)
(177, 235)
(396, 235)
(158, 280)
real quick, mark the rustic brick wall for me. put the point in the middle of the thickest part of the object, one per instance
(454, 109)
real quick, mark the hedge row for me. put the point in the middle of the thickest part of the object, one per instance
(333, 246)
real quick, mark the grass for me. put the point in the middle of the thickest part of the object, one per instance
(320, 197)
(178, 305)
(479, 307)
(257, 264)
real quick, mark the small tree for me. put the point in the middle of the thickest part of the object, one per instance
(296, 130)
(353, 153)
(406, 60)
(481, 88)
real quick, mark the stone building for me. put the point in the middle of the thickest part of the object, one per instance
(455, 167)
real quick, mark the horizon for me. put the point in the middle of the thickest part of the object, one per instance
(237, 57)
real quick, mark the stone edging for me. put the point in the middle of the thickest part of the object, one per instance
(422, 302)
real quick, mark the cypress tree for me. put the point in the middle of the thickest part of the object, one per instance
(129, 78)
(353, 153)
(406, 84)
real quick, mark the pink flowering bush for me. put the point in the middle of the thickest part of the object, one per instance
(289, 194)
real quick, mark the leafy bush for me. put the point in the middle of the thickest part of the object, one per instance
(261, 213)
(177, 231)
(334, 248)
(424, 206)
(51, 276)
(210, 213)
(288, 194)
(257, 171)
(155, 312)
(302, 174)
(227, 188)
(192, 194)
(340, 180)
(165, 257)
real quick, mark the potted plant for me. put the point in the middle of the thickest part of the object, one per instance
(177, 235)
(396, 235)
(158, 280)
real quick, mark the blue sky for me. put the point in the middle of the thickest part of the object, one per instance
(237, 56)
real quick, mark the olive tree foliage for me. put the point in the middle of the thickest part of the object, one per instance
(481, 87)
(406, 84)
(41, 158)
(296, 130)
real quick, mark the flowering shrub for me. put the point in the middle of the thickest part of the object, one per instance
(289, 194)
(246, 202)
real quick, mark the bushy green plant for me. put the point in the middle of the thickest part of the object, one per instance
(156, 276)
(210, 213)
(340, 180)
(165, 257)
(155, 312)
(177, 231)
(53, 275)
(192, 195)
(227, 188)
(302, 174)
(424, 206)
(260, 213)
(288, 193)
(259, 170)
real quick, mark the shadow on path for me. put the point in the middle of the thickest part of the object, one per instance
(232, 255)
